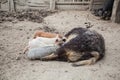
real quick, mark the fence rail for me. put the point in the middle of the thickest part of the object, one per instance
(74, 4)
(71, 3)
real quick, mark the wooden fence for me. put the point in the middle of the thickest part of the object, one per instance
(69, 4)
(13, 5)
(95, 4)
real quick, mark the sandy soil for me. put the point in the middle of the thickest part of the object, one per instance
(14, 36)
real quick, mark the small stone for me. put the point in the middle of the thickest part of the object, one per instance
(28, 37)
(21, 36)
(0, 21)
(32, 64)
(7, 45)
(15, 21)
(30, 29)
(33, 70)
(3, 34)
(102, 29)
(18, 58)
(20, 53)
(27, 33)
(66, 71)
(20, 29)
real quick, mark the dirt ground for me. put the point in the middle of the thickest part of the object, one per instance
(14, 36)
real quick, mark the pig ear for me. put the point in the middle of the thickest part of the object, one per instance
(57, 36)
(37, 36)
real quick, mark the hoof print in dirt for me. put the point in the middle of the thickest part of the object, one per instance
(18, 58)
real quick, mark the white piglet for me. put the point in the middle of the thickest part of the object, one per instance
(41, 52)
(42, 42)
(41, 47)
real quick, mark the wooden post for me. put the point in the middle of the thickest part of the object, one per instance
(91, 5)
(14, 4)
(11, 5)
(0, 5)
(116, 12)
(52, 4)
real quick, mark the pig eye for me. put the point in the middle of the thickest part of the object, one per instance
(64, 40)
(56, 40)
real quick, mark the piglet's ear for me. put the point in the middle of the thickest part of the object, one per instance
(57, 36)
